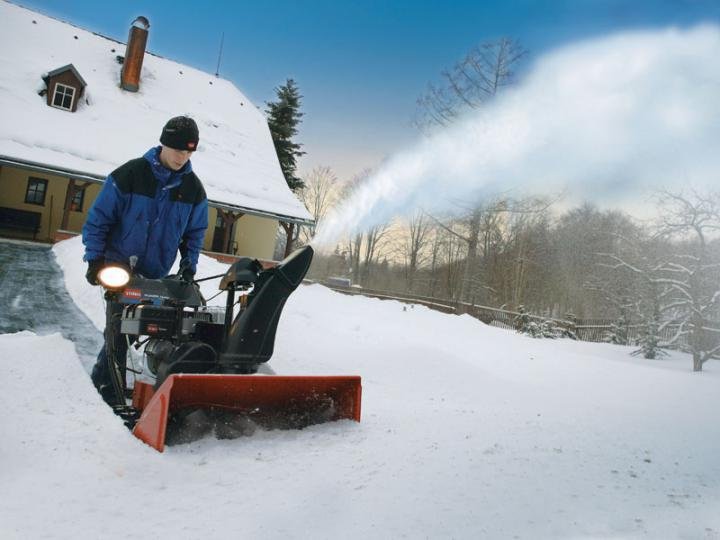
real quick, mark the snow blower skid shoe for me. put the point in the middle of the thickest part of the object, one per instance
(205, 359)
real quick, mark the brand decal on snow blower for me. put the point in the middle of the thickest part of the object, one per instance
(132, 293)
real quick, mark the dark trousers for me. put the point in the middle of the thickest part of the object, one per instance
(101, 375)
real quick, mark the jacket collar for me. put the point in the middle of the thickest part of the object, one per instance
(165, 176)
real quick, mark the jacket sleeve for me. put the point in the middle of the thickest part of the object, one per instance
(194, 235)
(104, 213)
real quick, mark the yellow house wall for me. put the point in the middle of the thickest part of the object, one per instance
(13, 186)
(255, 236)
(212, 216)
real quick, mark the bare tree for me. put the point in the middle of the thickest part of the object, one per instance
(319, 194)
(581, 233)
(375, 242)
(471, 82)
(416, 237)
(467, 231)
(630, 280)
(478, 77)
(435, 261)
(353, 246)
(435, 107)
(448, 261)
(672, 278)
(467, 227)
(353, 243)
(518, 253)
(693, 276)
(363, 247)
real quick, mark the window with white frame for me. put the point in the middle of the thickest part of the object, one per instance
(63, 97)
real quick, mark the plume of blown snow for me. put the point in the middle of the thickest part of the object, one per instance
(599, 120)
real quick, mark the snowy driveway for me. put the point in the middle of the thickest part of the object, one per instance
(33, 297)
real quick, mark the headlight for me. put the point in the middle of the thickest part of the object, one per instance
(113, 277)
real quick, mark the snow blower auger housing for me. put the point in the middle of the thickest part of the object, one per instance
(204, 358)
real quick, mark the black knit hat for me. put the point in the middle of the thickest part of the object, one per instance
(181, 133)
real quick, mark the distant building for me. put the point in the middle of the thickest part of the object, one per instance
(74, 105)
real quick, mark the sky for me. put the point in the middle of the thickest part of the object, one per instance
(360, 66)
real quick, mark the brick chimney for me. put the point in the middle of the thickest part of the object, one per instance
(132, 65)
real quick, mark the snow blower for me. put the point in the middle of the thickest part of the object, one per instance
(205, 359)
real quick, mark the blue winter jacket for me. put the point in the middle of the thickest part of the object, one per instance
(149, 211)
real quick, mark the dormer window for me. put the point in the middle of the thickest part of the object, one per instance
(65, 87)
(64, 97)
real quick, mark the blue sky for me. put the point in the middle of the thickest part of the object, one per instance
(360, 65)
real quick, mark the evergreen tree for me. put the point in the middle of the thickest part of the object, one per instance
(522, 321)
(650, 342)
(283, 118)
(540, 327)
(618, 333)
(650, 337)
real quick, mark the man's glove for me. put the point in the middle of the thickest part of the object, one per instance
(187, 275)
(92, 272)
(185, 272)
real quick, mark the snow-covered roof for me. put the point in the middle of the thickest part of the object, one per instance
(236, 159)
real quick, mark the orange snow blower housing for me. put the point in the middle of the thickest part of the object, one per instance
(205, 359)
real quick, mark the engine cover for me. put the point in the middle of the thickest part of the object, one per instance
(149, 320)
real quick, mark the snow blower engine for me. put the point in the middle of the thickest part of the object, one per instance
(203, 358)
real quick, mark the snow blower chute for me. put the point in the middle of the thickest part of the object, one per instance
(205, 359)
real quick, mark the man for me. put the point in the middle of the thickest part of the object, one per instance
(149, 208)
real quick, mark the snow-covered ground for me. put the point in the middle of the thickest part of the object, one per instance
(468, 431)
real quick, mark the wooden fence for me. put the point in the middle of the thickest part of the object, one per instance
(596, 330)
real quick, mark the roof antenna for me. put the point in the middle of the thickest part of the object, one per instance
(222, 40)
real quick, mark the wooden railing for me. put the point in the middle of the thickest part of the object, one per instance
(595, 330)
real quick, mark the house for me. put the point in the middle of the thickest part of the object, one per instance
(74, 105)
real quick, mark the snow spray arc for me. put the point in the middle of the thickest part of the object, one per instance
(601, 120)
